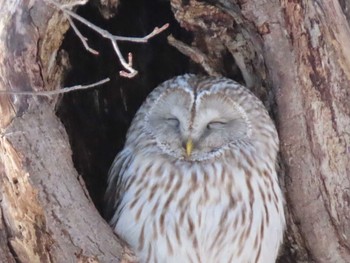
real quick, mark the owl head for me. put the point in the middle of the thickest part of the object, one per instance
(195, 118)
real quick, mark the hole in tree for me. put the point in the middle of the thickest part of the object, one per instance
(97, 119)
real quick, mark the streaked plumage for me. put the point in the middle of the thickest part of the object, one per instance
(196, 180)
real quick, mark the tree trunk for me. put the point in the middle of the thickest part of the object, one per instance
(299, 50)
(46, 214)
(293, 54)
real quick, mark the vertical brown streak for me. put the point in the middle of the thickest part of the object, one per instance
(152, 192)
(190, 226)
(144, 175)
(247, 157)
(215, 239)
(275, 201)
(138, 192)
(256, 241)
(155, 207)
(149, 253)
(222, 235)
(269, 197)
(195, 246)
(170, 247)
(171, 196)
(263, 196)
(194, 179)
(177, 233)
(130, 181)
(267, 217)
(155, 233)
(249, 229)
(250, 188)
(133, 203)
(244, 211)
(159, 172)
(142, 238)
(258, 255)
(206, 177)
(240, 250)
(242, 237)
(199, 218)
(232, 201)
(222, 175)
(262, 193)
(138, 214)
(177, 186)
(167, 202)
(223, 218)
(170, 181)
(235, 224)
(182, 215)
(161, 222)
(184, 199)
(262, 229)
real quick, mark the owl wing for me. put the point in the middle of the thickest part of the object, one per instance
(115, 183)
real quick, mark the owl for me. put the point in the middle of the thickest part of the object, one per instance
(196, 180)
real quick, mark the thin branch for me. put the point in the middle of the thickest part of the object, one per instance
(144, 39)
(104, 33)
(195, 54)
(127, 65)
(55, 92)
(82, 38)
(73, 4)
(129, 71)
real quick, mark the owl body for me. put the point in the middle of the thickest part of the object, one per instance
(196, 180)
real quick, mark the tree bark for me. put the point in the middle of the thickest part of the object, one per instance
(304, 62)
(45, 214)
(293, 54)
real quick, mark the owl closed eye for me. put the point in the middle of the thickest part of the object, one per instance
(210, 122)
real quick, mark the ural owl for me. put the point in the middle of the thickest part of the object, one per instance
(196, 180)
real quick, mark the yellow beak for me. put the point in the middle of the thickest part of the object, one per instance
(189, 147)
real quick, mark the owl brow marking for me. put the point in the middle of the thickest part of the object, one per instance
(193, 108)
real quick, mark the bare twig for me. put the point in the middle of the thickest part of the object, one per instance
(129, 71)
(82, 38)
(55, 92)
(73, 4)
(195, 54)
(127, 65)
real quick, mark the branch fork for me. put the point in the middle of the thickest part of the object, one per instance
(129, 71)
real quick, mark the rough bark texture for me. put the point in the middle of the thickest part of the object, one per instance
(292, 54)
(46, 214)
(304, 60)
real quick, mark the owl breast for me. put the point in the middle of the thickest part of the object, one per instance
(177, 211)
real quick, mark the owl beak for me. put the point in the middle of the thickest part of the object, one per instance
(189, 147)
